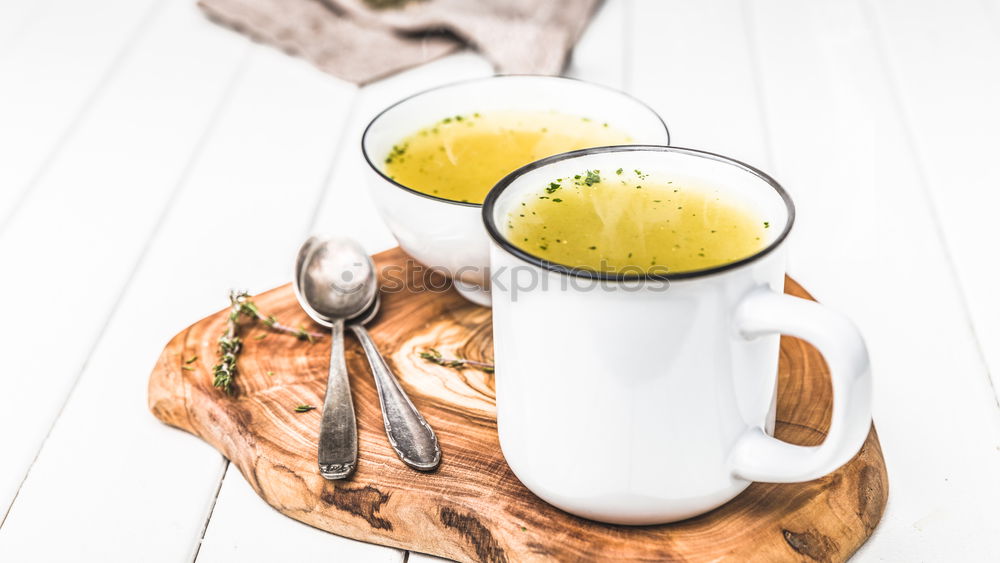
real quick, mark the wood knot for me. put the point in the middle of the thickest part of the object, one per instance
(812, 544)
(486, 546)
(365, 502)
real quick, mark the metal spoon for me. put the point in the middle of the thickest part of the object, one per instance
(408, 432)
(335, 281)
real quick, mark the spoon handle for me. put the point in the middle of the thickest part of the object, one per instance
(408, 432)
(338, 432)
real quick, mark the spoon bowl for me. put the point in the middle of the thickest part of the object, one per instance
(334, 279)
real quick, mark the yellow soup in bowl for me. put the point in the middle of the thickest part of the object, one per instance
(461, 157)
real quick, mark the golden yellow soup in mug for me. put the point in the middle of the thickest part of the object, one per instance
(461, 157)
(627, 221)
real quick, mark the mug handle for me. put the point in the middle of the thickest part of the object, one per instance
(760, 457)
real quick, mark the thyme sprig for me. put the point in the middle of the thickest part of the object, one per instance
(230, 344)
(249, 308)
(434, 356)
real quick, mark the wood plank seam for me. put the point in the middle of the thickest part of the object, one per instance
(335, 160)
(750, 36)
(203, 140)
(53, 154)
(829, 106)
(892, 85)
(161, 219)
(211, 510)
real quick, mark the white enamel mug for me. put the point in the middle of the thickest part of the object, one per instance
(448, 235)
(638, 399)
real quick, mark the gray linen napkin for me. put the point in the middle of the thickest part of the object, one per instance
(355, 41)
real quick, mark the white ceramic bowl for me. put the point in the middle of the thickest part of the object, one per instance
(448, 235)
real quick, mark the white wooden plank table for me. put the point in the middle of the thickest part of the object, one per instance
(150, 160)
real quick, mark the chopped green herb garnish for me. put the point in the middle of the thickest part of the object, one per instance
(592, 177)
(304, 408)
(397, 152)
(552, 187)
(191, 360)
(619, 171)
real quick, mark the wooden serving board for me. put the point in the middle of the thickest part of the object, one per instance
(473, 508)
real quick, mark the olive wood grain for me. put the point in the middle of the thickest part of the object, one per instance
(473, 508)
